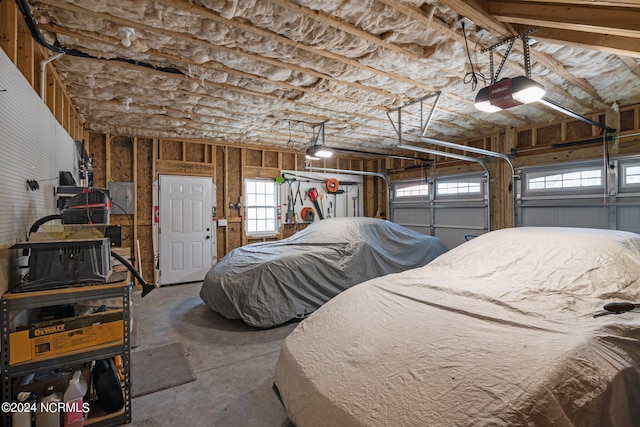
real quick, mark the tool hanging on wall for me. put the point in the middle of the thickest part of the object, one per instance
(289, 219)
(335, 202)
(313, 196)
(332, 185)
(298, 195)
(346, 203)
(307, 214)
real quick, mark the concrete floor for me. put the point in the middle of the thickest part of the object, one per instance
(234, 364)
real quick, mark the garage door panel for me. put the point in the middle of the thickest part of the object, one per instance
(452, 237)
(459, 216)
(565, 216)
(460, 210)
(424, 229)
(610, 201)
(629, 218)
(416, 215)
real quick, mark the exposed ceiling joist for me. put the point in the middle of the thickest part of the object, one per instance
(616, 3)
(617, 45)
(568, 16)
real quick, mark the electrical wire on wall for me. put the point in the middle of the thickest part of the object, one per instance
(128, 218)
(472, 76)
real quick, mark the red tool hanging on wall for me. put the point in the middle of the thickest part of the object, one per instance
(313, 196)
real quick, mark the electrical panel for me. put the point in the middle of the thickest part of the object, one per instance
(123, 198)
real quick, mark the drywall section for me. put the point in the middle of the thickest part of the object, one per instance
(35, 147)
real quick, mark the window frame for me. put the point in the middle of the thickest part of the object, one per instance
(623, 175)
(548, 172)
(250, 204)
(468, 180)
(424, 186)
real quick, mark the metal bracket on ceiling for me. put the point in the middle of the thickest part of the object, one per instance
(317, 130)
(511, 41)
(424, 117)
(318, 133)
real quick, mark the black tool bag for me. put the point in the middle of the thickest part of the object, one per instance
(107, 385)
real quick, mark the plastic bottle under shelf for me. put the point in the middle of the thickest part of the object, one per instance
(48, 413)
(73, 395)
(23, 418)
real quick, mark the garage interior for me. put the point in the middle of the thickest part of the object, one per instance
(129, 92)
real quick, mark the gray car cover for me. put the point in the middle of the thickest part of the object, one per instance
(270, 283)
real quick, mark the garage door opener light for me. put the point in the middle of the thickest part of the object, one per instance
(507, 93)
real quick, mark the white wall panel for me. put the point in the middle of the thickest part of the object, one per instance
(34, 146)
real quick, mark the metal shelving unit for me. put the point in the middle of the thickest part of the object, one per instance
(13, 301)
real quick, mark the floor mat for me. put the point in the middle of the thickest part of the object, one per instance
(159, 368)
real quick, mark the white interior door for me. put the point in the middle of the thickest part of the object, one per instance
(186, 228)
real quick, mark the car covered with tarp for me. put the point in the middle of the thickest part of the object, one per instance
(269, 283)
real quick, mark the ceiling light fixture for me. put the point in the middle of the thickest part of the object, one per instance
(507, 93)
(318, 151)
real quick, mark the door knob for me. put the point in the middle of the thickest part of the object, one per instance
(207, 237)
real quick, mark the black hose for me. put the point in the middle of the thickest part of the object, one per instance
(23, 5)
(41, 221)
(36, 225)
(146, 288)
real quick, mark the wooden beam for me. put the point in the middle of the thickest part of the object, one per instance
(154, 178)
(107, 158)
(613, 3)
(419, 15)
(632, 64)
(9, 29)
(134, 232)
(617, 45)
(25, 59)
(50, 90)
(320, 16)
(603, 20)
(59, 103)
